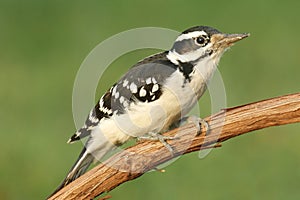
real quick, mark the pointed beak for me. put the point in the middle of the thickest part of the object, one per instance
(227, 40)
(230, 39)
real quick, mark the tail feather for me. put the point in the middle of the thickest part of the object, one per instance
(99, 146)
(95, 149)
(84, 160)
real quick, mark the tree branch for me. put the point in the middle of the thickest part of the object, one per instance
(144, 156)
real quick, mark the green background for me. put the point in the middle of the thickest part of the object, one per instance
(43, 43)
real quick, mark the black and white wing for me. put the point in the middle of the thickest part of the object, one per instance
(142, 83)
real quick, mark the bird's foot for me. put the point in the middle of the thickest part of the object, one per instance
(198, 123)
(158, 137)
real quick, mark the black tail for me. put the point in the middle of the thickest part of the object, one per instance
(81, 165)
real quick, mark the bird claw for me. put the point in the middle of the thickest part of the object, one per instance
(158, 137)
(152, 136)
(198, 122)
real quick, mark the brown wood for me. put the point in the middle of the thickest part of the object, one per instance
(144, 156)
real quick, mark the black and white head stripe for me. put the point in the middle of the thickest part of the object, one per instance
(195, 32)
(208, 30)
(189, 35)
(192, 45)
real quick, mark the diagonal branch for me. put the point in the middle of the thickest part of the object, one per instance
(144, 156)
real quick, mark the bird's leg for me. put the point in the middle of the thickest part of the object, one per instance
(158, 137)
(152, 136)
(197, 121)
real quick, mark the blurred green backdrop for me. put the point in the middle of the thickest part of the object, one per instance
(43, 43)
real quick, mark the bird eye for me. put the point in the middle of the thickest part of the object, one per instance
(201, 41)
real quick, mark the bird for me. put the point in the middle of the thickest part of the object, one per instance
(152, 95)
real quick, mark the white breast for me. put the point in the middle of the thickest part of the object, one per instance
(188, 95)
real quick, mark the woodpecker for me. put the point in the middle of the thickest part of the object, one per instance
(154, 94)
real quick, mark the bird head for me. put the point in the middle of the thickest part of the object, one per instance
(202, 42)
